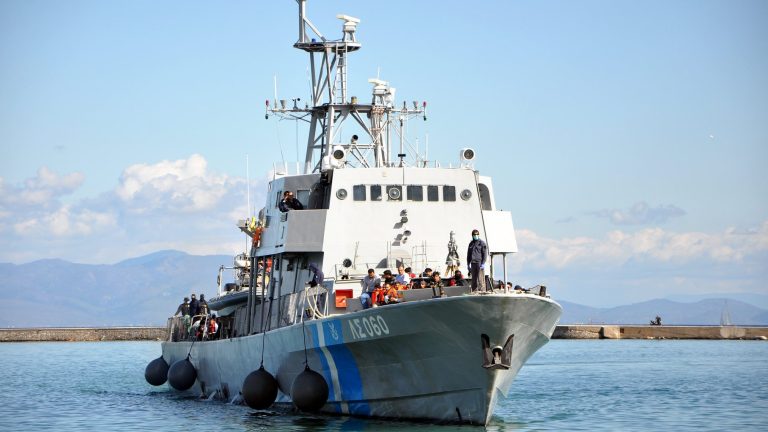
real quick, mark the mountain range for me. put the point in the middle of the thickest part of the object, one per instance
(146, 290)
(702, 312)
(139, 291)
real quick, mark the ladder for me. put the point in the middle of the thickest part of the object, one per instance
(340, 80)
(419, 254)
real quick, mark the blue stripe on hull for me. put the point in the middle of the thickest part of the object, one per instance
(350, 382)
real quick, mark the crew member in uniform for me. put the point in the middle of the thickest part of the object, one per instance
(184, 310)
(476, 255)
(194, 306)
(203, 305)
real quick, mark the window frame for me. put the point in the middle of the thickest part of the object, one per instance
(451, 195)
(412, 194)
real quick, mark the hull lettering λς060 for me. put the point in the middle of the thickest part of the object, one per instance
(368, 327)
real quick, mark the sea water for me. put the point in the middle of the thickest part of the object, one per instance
(568, 385)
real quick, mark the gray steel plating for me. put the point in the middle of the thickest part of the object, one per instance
(419, 360)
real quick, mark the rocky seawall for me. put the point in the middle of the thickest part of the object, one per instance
(82, 334)
(94, 334)
(658, 332)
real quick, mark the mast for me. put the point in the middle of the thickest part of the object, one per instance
(330, 105)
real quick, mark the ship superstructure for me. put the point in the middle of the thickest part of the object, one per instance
(370, 200)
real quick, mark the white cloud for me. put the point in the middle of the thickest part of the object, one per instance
(640, 214)
(624, 267)
(651, 244)
(66, 222)
(177, 204)
(39, 191)
(33, 208)
(183, 185)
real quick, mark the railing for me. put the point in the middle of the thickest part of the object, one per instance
(315, 301)
(182, 328)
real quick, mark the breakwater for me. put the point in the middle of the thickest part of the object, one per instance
(93, 334)
(82, 334)
(658, 332)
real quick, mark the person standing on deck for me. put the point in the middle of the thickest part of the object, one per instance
(181, 332)
(194, 306)
(203, 305)
(476, 255)
(317, 275)
(183, 308)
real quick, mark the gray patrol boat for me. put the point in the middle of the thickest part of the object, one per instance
(440, 355)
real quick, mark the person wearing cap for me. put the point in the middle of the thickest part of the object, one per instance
(183, 308)
(317, 275)
(204, 310)
(476, 255)
(194, 306)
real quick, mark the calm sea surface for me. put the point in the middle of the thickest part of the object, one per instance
(567, 385)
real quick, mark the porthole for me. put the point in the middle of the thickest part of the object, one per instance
(347, 263)
(394, 192)
(341, 194)
(466, 194)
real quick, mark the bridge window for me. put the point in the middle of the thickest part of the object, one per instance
(395, 193)
(376, 192)
(449, 193)
(303, 196)
(278, 198)
(415, 193)
(485, 197)
(432, 193)
(358, 192)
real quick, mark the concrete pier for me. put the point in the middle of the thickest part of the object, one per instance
(82, 334)
(658, 332)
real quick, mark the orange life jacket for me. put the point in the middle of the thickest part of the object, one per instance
(257, 236)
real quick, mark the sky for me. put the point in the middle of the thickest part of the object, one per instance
(628, 139)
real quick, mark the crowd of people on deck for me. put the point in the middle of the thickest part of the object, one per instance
(197, 322)
(387, 288)
(379, 290)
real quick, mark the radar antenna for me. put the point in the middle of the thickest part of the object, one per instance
(330, 105)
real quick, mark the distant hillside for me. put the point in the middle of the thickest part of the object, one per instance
(759, 300)
(146, 290)
(702, 312)
(140, 291)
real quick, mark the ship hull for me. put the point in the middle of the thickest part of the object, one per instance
(419, 360)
